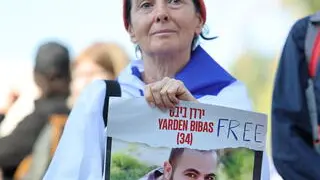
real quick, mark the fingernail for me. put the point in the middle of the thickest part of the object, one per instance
(163, 109)
(152, 105)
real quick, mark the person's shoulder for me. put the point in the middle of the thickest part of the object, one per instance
(153, 175)
(299, 27)
(236, 86)
(237, 94)
(301, 22)
(93, 88)
(128, 72)
(95, 85)
(234, 96)
(94, 91)
(129, 80)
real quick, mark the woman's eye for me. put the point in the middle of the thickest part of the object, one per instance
(145, 5)
(174, 1)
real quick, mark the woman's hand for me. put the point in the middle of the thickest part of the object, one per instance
(167, 93)
(8, 100)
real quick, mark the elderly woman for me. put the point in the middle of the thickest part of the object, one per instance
(172, 68)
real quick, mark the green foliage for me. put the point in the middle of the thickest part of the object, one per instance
(257, 73)
(238, 164)
(313, 5)
(125, 167)
(302, 8)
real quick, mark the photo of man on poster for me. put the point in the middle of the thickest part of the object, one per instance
(186, 164)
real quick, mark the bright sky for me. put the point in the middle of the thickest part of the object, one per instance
(247, 24)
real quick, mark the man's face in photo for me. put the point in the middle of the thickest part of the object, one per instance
(193, 165)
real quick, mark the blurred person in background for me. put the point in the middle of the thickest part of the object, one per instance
(295, 137)
(52, 76)
(98, 61)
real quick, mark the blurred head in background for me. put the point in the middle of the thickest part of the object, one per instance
(49, 77)
(98, 61)
(52, 69)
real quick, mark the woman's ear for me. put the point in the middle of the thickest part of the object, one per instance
(199, 24)
(132, 34)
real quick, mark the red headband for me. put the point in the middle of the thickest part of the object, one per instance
(202, 12)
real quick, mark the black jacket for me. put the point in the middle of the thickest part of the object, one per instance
(16, 146)
(292, 147)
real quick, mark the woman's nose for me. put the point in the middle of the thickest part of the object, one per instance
(162, 14)
(163, 17)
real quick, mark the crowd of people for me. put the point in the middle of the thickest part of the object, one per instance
(56, 84)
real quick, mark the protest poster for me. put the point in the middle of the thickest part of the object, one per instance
(190, 141)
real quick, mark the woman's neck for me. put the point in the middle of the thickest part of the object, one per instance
(158, 67)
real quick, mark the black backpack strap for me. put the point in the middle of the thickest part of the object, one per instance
(112, 90)
(311, 34)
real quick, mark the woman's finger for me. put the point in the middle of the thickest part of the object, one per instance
(155, 92)
(182, 93)
(148, 95)
(173, 90)
(165, 97)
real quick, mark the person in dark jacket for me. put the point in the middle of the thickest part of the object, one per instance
(292, 144)
(52, 75)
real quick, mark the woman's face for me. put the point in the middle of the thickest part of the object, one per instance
(164, 26)
(84, 73)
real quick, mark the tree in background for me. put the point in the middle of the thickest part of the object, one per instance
(302, 8)
(126, 167)
(257, 73)
(237, 164)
